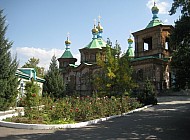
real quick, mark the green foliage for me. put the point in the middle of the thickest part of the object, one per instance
(184, 6)
(148, 95)
(181, 65)
(32, 94)
(33, 63)
(181, 31)
(115, 75)
(8, 67)
(54, 84)
(180, 40)
(77, 109)
(32, 100)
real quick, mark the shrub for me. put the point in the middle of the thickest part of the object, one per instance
(32, 100)
(76, 109)
(148, 95)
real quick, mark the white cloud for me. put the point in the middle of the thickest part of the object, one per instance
(44, 55)
(163, 6)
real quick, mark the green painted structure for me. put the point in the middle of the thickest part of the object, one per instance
(155, 20)
(67, 53)
(130, 51)
(25, 75)
(96, 43)
(28, 74)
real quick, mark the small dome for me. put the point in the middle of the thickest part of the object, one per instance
(94, 30)
(130, 40)
(130, 51)
(67, 42)
(99, 27)
(155, 9)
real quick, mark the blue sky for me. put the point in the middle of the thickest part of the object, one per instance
(39, 28)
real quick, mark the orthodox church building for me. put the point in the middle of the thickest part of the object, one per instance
(150, 60)
(78, 77)
(153, 53)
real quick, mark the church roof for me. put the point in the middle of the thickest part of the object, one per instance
(73, 65)
(130, 51)
(67, 54)
(155, 20)
(28, 73)
(97, 43)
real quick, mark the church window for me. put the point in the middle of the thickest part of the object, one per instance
(167, 43)
(147, 44)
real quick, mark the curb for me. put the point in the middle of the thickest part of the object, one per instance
(6, 112)
(61, 126)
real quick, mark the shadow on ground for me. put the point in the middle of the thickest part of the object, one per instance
(166, 121)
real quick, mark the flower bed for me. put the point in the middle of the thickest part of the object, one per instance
(75, 109)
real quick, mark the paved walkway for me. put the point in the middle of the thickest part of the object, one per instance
(170, 120)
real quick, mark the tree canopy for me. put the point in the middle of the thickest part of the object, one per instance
(8, 67)
(115, 75)
(54, 84)
(180, 40)
(184, 5)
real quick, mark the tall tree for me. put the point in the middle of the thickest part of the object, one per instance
(180, 41)
(54, 84)
(115, 75)
(33, 63)
(181, 65)
(184, 5)
(8, 67)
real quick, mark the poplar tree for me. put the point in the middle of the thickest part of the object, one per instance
(54, 84)
(8, 67)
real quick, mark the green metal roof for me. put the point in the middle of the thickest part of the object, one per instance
(154, 22)
(67, 54)
(130, 52)
(25, 73)
(88, 64)
(149, 57)
(97, 43)
(143, 58)
(72, 65)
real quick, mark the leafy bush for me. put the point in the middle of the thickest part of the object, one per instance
(76, 109)
(148, 95)
(32, 100)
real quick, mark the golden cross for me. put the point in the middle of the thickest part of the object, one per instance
(94, 21)
(68, 34)
(99, 17)
(154, 3)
